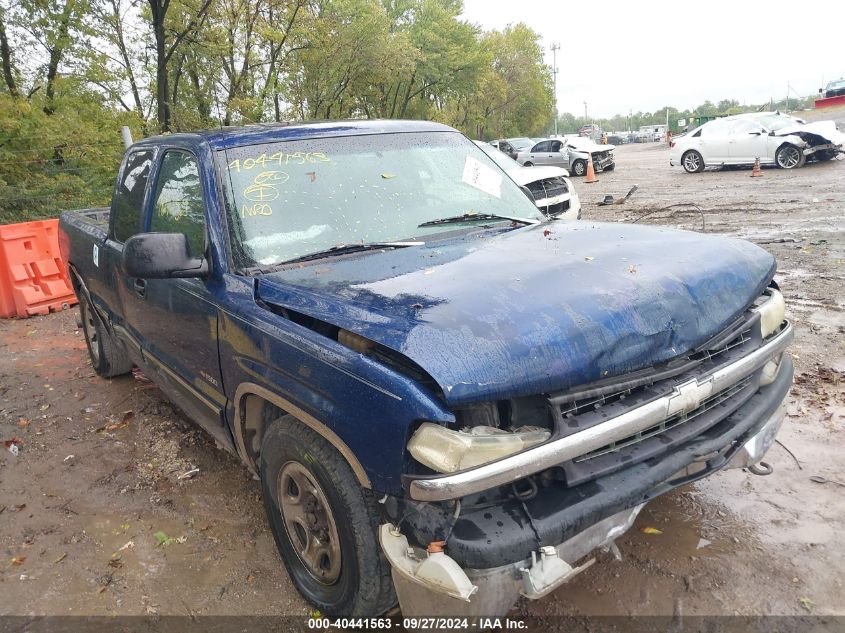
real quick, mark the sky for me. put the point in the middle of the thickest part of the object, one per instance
(626, 55)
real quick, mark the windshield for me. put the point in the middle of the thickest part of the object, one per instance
(775, 122)
(835, 85)
(499, 157)
(292, 198)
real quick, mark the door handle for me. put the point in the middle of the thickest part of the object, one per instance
(140, 286)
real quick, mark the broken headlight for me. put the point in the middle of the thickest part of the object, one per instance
(448, 451)
(771, 308)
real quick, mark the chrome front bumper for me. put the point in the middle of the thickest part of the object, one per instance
(537, 459)
(452, 591)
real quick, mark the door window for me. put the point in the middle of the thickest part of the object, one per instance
(128, 205)
(542, 146)
(179, 206)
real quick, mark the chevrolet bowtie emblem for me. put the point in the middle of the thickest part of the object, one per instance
(688, 396)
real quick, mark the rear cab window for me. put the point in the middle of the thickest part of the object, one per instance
(127, 212)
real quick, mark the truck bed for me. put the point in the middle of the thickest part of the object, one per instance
(98, 217)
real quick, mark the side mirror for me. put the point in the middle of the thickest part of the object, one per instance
(161, 256)
(821, 90)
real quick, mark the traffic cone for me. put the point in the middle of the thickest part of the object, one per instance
(756, 171)
(591, 173)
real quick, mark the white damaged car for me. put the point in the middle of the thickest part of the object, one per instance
(550, 187)
(774, 138)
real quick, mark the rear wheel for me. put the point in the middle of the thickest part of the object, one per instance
(324, 523)
(693, 162)
(579, 167)
(790, 157)
(107, 356)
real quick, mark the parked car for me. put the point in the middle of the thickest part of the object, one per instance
(550, 187)
(512, 146)
(570, 153)
(448, 397)
(774, 138)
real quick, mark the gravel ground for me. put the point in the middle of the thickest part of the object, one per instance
(95, 519)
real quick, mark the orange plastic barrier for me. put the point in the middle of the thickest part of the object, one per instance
(33, 277)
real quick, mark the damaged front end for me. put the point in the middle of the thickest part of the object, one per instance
(819, 141)
(492, 514)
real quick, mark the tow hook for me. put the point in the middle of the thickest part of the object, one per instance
(761, 468)
(547, 573)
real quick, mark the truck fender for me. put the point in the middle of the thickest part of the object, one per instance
(251, 417)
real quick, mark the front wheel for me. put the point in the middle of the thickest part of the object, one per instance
(693, 162)
(579, 167)
(325, 525)
(528, 163)
(790, 157)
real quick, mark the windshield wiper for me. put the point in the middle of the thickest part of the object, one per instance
(340, 249)
(476, 217)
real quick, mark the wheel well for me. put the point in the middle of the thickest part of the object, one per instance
(256, 408)
(256, 415)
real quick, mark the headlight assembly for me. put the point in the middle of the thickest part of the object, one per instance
(771, 308)
(448, 451)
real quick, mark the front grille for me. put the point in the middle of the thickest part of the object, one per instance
(547, 188)
(556, 209)
(568, 405)
(668, 423)
(580, 409)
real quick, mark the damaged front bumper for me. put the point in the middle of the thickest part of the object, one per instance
(502, 547)
(435, 584)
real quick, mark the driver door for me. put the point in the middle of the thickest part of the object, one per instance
(748, 141)
(177, 319)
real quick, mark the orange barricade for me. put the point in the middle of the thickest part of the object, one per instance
(33, 277)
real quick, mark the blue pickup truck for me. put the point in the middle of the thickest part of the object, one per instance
(450, 398)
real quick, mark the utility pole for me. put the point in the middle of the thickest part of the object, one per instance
(555, 48)
(586, 118)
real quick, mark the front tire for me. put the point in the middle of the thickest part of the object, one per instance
(528, 163)
(789, 156)
(107, 356)
(693, 162)
(579, 167)
(324, 523)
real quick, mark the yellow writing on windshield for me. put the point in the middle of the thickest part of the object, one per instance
(256, 209)
(279, 158)
(263, 187)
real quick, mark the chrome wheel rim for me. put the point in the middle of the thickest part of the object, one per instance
(692, 161)
(309, 522)
(90, 327)
(789, 157)
(580, 168)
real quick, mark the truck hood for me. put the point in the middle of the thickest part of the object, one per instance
(496, 315)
